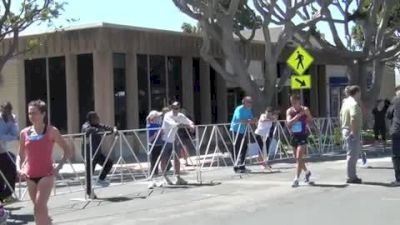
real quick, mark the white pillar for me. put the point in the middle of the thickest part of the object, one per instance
(104, 86)
(71, 72)
(132, 91)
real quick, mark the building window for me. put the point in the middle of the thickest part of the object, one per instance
(143, 88)
(174, 79)
(85, 85)
(119, 90)
(35, 80)
(43, 75)
(196, 91)
(213, 89)
(58, 93)
(235, 96)
(158, 82)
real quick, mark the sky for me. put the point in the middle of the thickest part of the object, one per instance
(160, 14)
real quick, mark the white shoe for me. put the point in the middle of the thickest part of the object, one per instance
(180, 181)
(152, 185)
(167, 181)
(295, 183)
(103, 183)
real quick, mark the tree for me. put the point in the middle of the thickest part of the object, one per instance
(223, 23)
(372, 42)
(190, 29)
(376, 20)
(18, 16)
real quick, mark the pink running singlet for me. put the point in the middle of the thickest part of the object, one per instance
(38, 152)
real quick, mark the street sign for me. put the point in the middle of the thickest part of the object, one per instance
(300, 82)
(300, 60)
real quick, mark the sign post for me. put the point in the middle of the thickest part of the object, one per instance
(300, 60)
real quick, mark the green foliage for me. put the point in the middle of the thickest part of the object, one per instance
(30, 12)
(15, 19)
(358, 36)
(394, 19)
(368, 136)
(246, 18)
(190, 29)
(362, 14)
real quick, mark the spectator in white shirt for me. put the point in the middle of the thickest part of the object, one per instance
(262, 132)
(172, 121)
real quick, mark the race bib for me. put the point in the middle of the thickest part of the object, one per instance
(297, 127)
(35, 137)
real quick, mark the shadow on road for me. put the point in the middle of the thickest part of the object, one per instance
(189, 185)
(379, 168)
(379, 184)
(328, 185)
(264, 172)
(20, 218)
(116, 199)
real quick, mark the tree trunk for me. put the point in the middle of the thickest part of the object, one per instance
(359, 76)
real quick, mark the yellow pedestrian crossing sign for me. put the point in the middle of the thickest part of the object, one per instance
(300, 60)
(300, 82)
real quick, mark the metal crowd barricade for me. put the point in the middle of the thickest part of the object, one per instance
(184, 143)
(70, 177)
(210, 148)
(68, 180)
(216, 143)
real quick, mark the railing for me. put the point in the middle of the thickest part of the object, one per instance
(209, 147)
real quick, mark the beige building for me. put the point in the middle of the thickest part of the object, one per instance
(123, 72)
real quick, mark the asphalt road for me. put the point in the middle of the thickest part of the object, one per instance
(261, 197)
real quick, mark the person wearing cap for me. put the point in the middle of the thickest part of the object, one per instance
(153, 126)
(171, 123)
(8, 132)
(93, 130)
(241, 118)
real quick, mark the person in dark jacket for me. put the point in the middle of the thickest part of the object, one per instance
(394, 116)
(95, 130)
(379, 113)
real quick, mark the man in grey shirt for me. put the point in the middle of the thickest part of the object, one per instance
(394, 116)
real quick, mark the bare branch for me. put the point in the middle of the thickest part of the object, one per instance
(6, 14)
(233, 7)
(379, 39)
(182, 5)
(328, 17)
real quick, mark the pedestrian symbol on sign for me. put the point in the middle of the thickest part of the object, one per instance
(300, 59)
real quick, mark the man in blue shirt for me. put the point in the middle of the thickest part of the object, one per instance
(241, 118)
